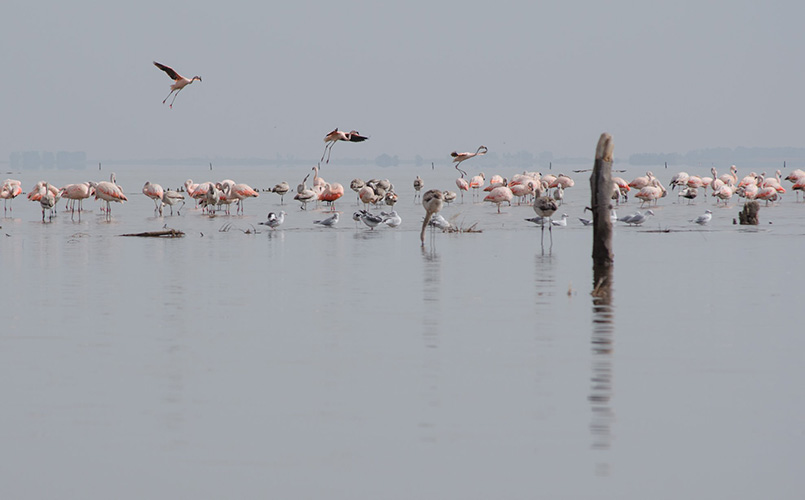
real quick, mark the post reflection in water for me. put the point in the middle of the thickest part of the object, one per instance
(545, 279)
(602, 340)
(431, 325)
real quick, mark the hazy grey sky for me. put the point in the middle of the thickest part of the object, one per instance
(419, 77)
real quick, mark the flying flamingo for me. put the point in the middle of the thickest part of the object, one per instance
(179, 82)
(459, 157)
(432, 200)
(339, 135)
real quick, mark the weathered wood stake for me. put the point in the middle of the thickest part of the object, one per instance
(601, 194)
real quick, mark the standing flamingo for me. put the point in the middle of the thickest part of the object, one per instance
(179, 82)
(240, 192)
(109, 191)
(331, 192)
(155, 192)
(460, 157)
(9, 190)
(501, 194)
(338, 135)
(77, 192)
(432, 200)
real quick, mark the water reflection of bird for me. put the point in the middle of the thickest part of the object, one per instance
(432, 200)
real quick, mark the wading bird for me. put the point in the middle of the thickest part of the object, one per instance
(179, 82)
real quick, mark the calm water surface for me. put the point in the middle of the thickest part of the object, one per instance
(346, 363)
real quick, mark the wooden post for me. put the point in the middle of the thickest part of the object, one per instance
(601, 203)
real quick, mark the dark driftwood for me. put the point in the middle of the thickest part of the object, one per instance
(749, 214)
(168, 233)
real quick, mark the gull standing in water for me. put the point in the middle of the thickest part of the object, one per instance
(433, 201)
(329, 221)
(274, 220)
(391, 219)
(703, 219)
(371, 219)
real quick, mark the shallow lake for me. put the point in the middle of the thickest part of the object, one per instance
(311, 362)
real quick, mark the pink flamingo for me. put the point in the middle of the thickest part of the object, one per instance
(155, 192)
(109, 191)
(331, 193)
(460, 157)
(10, 189)
(77, 192)
(338, 135)
(240, 192)
(179, 82)
(494, 182)
(641, 182)
(476, 183)
(724, 193)
(562, 180)
(501, 194)
(462, 185)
